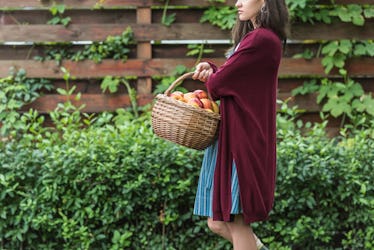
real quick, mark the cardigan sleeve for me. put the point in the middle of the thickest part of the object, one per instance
(256, 52)
(214, 67)
(222, 82)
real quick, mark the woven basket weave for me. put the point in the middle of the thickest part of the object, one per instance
(182, 123)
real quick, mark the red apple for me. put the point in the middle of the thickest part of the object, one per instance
(177, 95)
(207, 103)
(189, 96)
(201, 94)
(195, 102)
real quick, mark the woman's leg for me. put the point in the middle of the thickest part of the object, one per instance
(220, 228)
(242, 234)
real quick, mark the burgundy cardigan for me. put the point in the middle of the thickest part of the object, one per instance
(246, 86)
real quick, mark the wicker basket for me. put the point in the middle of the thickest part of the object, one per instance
(182, 123)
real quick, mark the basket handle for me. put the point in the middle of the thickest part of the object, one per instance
(178, 81)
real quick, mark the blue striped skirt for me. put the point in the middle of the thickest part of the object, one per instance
(204, 195)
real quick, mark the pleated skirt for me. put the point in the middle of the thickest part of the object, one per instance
(204, 195)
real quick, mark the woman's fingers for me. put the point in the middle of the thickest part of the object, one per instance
(202, 71)
(196, 74)
(198, 70)
(205, 74)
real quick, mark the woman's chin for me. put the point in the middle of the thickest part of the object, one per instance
(243, 18)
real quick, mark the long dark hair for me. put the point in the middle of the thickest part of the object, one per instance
(273, 15)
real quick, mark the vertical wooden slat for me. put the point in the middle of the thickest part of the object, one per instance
(144, 49)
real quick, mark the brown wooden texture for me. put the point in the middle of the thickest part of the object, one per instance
(132, 3)
(94, 103)
(144, 49)
(179, 31)
(363, 67)
(94, 20)
(101, 4)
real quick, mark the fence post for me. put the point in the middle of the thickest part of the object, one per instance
(144, 50)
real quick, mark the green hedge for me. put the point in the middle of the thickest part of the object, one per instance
(111, 184)
(324, 197)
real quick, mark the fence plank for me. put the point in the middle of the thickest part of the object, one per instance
(322, 31)
(4, 4)
(34, 17)
(73, 3)
(94, 103)
(89, 4)
(363, 67)
(98, 32)
(179, 31)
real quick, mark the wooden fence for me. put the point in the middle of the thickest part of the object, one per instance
(26, 21)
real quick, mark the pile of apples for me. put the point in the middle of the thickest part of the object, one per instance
(198, 98)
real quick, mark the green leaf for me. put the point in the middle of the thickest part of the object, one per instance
(72, 89)
(358, 105)
(328, 63)
(308, 87)
(336, 107)
(359, 50)
(223, 17)
(324, 90)
(53, 10)
(110, 83)
(347, 96)
(370, 48)
(60, 8)
(78, 96)
(358, 20)
(343, 72)
(369, 11)
(65, 21)
(193, 52)
(344, 15)
(356, 89)
(62, 91)
(307, 54)
(330, 48)
(54, 21)
(339, 60)
(168, 19)
(345, 46)
(368, 102)
(116, 237)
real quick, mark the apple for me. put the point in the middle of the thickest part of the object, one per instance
(207, 103)
(195, 102)
(189, 95)
(201, 94)
(215, 107)
(177, 95)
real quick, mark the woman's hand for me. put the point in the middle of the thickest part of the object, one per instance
(202, 72)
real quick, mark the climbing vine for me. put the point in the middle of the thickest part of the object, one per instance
(57, 11)
(115, 47)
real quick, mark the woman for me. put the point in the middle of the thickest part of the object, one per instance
(237, 179)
